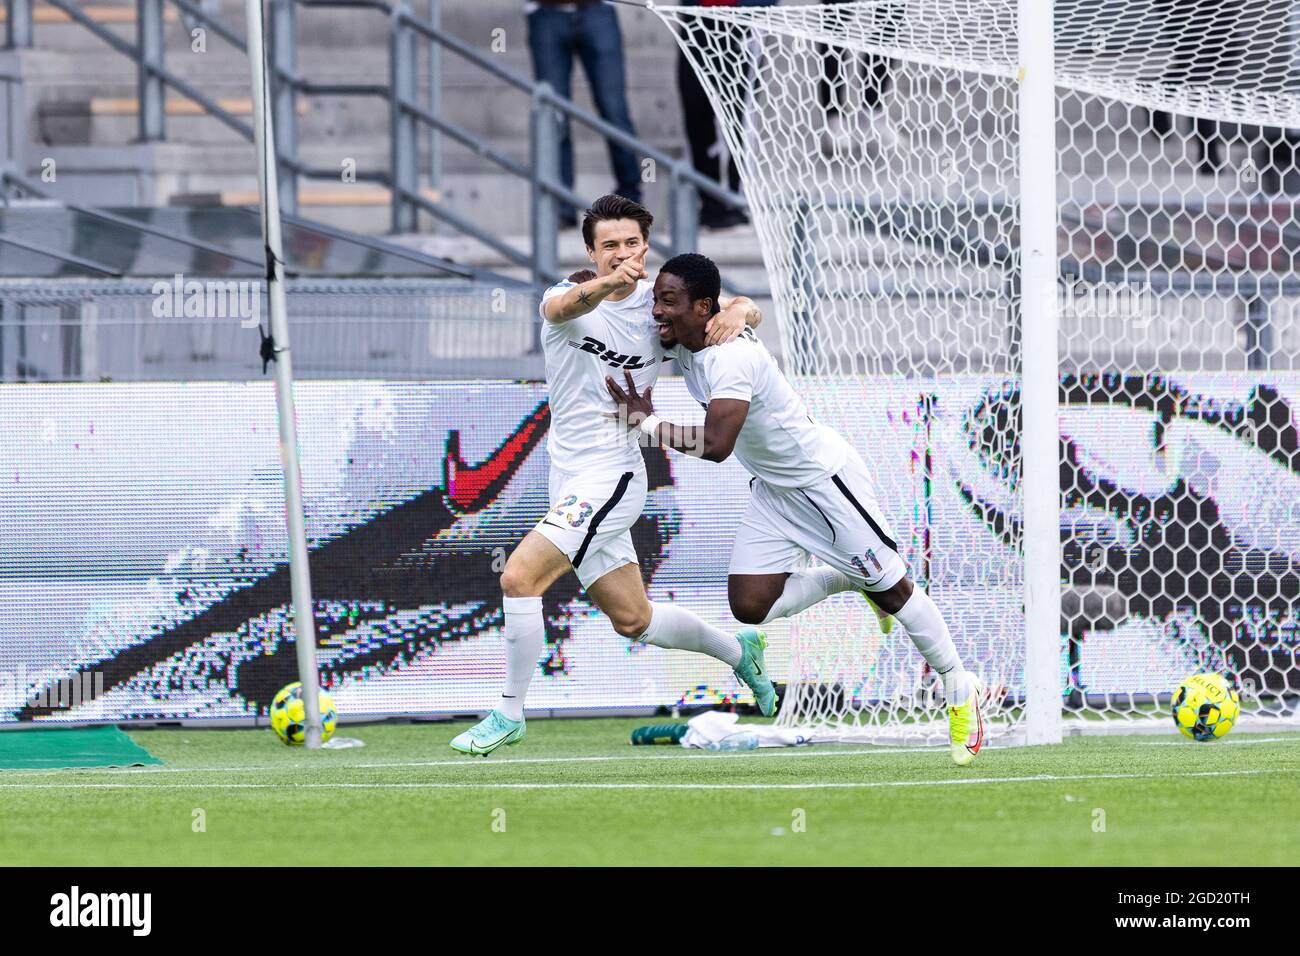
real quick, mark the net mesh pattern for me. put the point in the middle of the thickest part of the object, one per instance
(878, 145)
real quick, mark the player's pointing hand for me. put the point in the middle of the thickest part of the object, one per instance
(632, 270)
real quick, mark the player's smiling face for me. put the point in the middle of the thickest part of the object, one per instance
(614, 242)
(680, 320)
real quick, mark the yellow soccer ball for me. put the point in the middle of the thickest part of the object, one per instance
(289, 715)
(1205, 706)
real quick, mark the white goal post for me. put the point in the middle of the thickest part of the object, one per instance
(1041, 263)
(304, 624)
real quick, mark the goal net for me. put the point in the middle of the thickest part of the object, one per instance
(880, 149)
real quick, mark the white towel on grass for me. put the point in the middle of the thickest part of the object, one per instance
(716, 725)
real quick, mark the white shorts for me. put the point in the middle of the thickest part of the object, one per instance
(836, 519)
(591, 518)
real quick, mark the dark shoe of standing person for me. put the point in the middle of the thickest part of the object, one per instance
(723, 218)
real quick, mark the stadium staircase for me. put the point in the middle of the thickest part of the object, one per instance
(73, 107)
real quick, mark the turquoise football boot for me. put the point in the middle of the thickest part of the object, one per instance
(488, 734)
(753, 671)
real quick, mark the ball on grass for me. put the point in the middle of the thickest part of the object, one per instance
(1205, 706)
(289, 715)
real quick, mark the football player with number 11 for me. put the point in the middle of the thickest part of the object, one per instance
(811, 490)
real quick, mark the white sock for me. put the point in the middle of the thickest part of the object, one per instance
(805, 588)
(929, 632)
(525, 635)
(673, 626)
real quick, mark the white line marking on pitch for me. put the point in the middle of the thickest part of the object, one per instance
(467, 761)
(1237, 741)
(863, 785)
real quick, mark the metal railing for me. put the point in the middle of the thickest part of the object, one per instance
(94, 329)
(18, 26)
(547, 112)
(15, 185)
(153, 77)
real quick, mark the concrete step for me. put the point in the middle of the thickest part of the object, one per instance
(149, 173)
(339, 196)
(154, 173)
(335, 127)
(358, 207)
(333, 28)
(52, 29)
(80, 97)
(102, 13)
(160, 174)
(105, 12)
(479, 104)
(105, 120)
(320, 34)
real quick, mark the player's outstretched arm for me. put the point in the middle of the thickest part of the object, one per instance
(585, 296)
(712, 441)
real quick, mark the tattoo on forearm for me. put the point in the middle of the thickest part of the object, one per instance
(585, 299)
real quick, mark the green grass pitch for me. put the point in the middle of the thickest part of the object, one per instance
(575, 792)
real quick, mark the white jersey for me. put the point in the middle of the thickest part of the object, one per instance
(611, 338)
(779, 442)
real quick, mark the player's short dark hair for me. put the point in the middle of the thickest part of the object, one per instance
(615, 207)
(698, 274)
